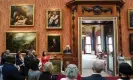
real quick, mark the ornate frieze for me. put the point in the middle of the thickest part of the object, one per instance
(97, 10)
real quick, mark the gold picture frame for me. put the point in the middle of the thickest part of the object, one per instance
(130, 18)
(21, 41)
(57, 64)
(53, 19)
(54, 43)
(21, 15)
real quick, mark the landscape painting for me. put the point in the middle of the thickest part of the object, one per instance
(21, 41)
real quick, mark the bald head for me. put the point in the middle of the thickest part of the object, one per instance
(98, 66)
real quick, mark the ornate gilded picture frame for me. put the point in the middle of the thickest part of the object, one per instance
(54, 43)
(130, 18)
(57, 66)
(22, 15)
(21, 41)
(53, 19)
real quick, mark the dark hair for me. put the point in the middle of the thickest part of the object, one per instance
(17, 54)
(10, 59)
(2, 53)
(27, 52)
(43, 53)
(125, 68)
(34, 64)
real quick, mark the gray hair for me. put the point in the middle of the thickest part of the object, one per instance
(98, 66)
(71, 71)
(7, 51)
(48, 67)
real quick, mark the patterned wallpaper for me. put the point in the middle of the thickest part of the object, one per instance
(124, 25)
(39, 21)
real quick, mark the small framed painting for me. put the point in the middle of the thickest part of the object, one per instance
(22, 15)
(54, 19)
(57, 66)
(131, 42)
(54, 43)
(130, 18)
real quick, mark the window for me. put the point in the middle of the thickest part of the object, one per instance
(88, 44)
(110, 44)
(99, 46)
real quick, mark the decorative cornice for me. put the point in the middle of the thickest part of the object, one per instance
(97, 10)
(79, 2)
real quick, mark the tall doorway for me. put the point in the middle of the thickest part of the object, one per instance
(97, 39)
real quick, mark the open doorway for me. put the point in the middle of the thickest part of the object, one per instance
(97, 40)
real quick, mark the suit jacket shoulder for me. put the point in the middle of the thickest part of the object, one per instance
(94, 77)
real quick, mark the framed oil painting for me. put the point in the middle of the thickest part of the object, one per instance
(54, 19)
(131, 42)
(130, 18)
(54, 43)
(57, 64)
(21, 41)
(22, 15)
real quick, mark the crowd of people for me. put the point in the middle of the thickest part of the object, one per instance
(27, 68)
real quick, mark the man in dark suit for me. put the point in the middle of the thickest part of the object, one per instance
(9, 71)
(28, 57)
(97, 68)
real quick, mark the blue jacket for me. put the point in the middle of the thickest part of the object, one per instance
(10, 72)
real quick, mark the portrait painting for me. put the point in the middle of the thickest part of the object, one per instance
(21, 41)
(57, 66)
(54, 43)
(130, 18)
(131, 42)
(22, 15)
(54, 19)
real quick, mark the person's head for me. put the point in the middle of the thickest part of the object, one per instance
(67, 63)
(7, 52)
(33, 52)
(44, 53)
(53, 40)
(67, 47)
(10, 59)
(125, 69)
(120, 54)
(34, 64)
(71, 71)
(3, 53)
(29, 52)
(18, 54)
(48, 67)
(54, 13)
(98, 66)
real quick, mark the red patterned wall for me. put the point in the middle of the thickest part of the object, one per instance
(40, 21)
(40, 17)
(124, 24)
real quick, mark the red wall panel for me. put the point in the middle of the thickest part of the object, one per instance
(40, 21)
